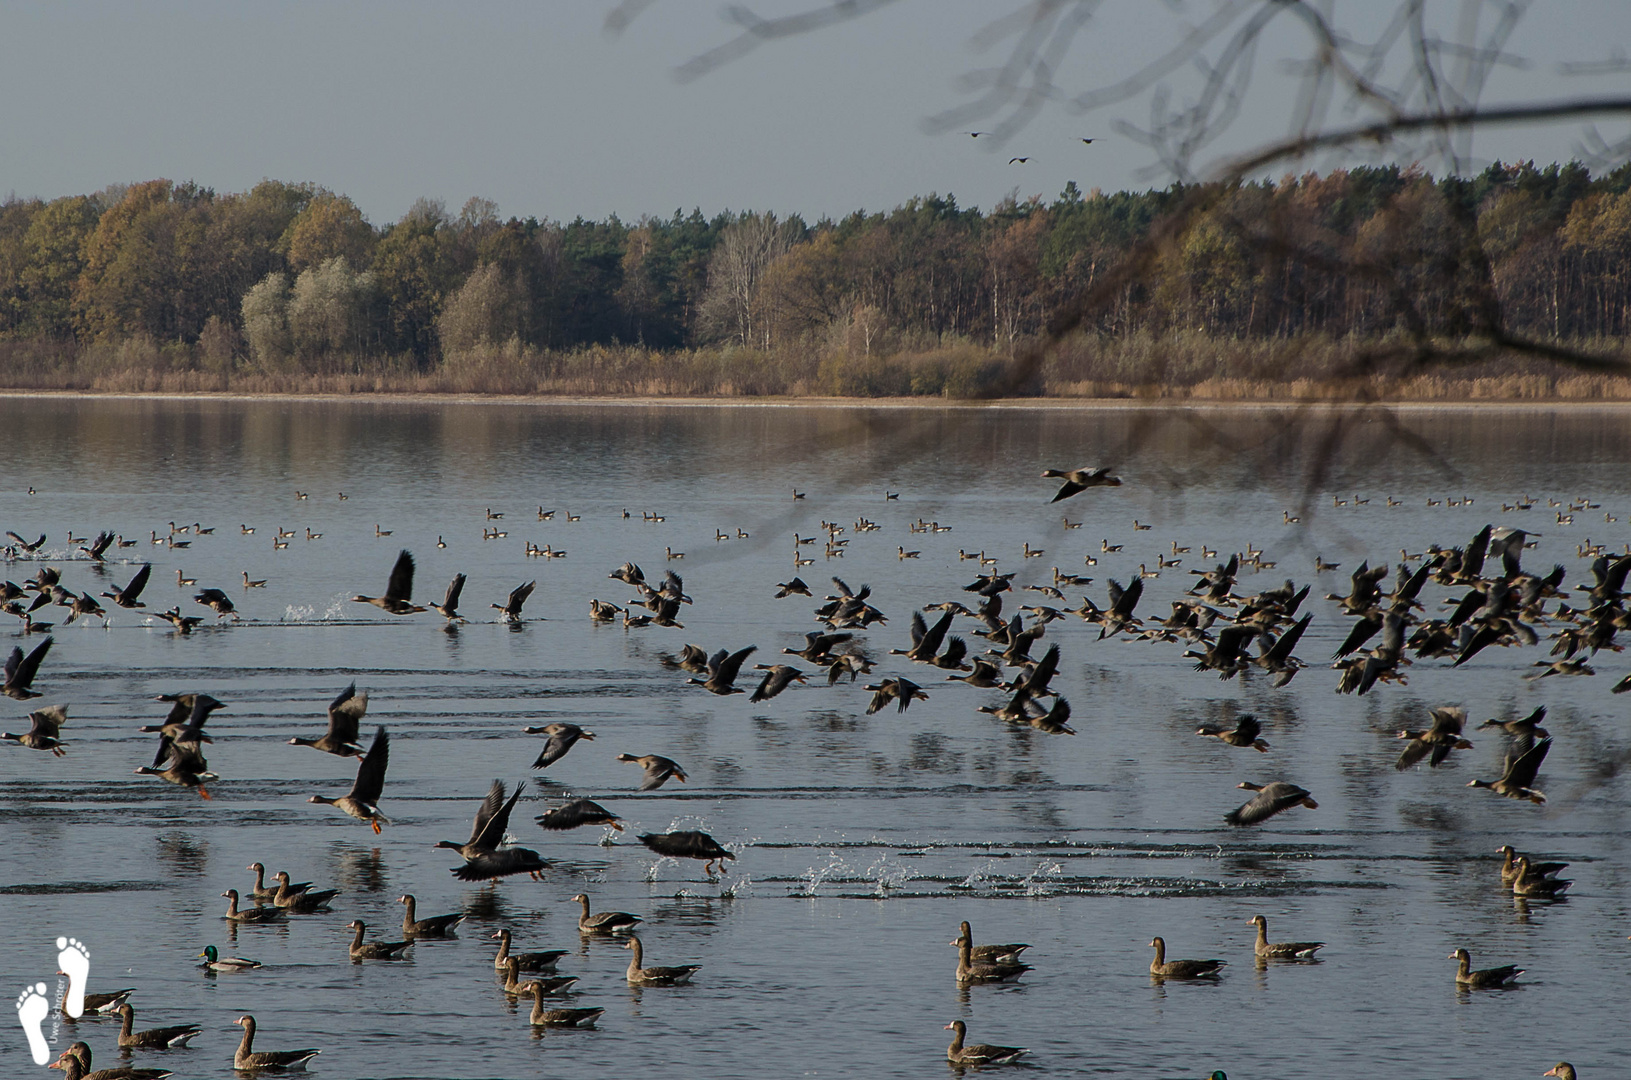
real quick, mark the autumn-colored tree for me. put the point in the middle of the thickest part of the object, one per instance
(329, 225)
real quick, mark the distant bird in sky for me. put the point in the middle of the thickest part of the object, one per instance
(1088, 141)
(975, 134)
(1018, 160)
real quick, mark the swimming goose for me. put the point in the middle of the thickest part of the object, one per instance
(529, 961)
(1270, 800)
(1562, 1070)
(1281, 950)
(301, 898)
(1162, 968)
(363, 799)
(1244, 733)
(250, 583)
(1485, 978)
(435, 926)
(45, 726)
(562, 737)
(579, 812)
(972, 972)
(986, 953)
(398, 590)
(658, 770)
(510, 610)
(213, 961)
(1079, 480)
(1509, 870)
(374, 950)
(655, 976)
(247, 1059)
(76, 1062)
(552, 985)
(164, 1038)
(249, 915)
(1518, 778)
(542, 1017)
(345, 713)
(603, 922)
(689, 845)
(979, 1053)
(262, 891)
(20, 671)
(1530, 883)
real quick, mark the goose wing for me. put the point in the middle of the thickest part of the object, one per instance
(371, 770)
(131, 592)
(1522, 770)
(730, 665)
(47, 722)
(27, 666)
(400, 587)
(345, 713)
(454, 588)
(929, 642)
(493, 821)
(1281, 650)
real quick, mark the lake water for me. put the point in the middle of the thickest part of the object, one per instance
(861, 840)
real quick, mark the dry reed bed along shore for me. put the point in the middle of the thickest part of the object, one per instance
(1136, 367)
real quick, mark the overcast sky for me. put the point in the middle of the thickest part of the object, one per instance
(536, 106)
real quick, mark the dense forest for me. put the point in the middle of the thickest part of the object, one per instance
(167, 284)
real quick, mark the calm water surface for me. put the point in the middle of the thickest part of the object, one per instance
(861, 840)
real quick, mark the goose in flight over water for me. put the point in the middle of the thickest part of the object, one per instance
(362, 802)
(1077, 481)
(345, 712)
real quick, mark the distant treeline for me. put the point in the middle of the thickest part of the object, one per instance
(164, 284)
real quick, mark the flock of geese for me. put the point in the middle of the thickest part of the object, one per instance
(1492, 602)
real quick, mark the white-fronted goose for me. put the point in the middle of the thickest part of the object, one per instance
(1562, 1070)
(603, 922)
(505, 861)
(484, 858)
(510, 609)
(248, 1059)
(1270, 800)
(1281, 950)
(302, 898)
(1162, 968)
(1246, 732)
(658, 769)
(449, 607)
(655, 976)
(1438, 740)
(250, 915)
(398, 591)
(553, 985)
(1528, 883)
(986, 953)
(374, 950)
(689, 844)
(44, 727)
(1079, 480)
(542, 1017)
(128, 597)
(164, 1038)
(579, 812)
(435, 926)
(262, 891)
(1517, 781)
(972, 972)
(217, 601)
(1484, 979)
(1509, 869)
(76, 1062)
(562, 737)
(20, 671)
(214, 961)
(180, 763)
(345, 713)
(103, 1004)
(723, 667)
(977, 1054)
(778, 677)
(529, 961)
(362, 802)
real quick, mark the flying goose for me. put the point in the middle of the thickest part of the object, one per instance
(362, 802)
(127, 596)
(1442, 737)
(20, 671)
(723, 667)
(1269, 800)
(689, 845)
(1244, 733)
(579, 812)
(1518, 778)
(345, 712)
(658, 770)
(45, 726)
(449, 607)
(562, 737)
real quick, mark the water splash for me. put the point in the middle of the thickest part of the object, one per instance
(741, 886)
(816, 876)
(299, 613)
(1036, 883)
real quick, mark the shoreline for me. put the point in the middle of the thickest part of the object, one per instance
(1151, 403)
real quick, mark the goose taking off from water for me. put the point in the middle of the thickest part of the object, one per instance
(449, 607)
(579, 812)
(510, 609)
(20, 671)
(689, 845)
(398, 591)
(1077, 481)
(484, 856)
(362, 802)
